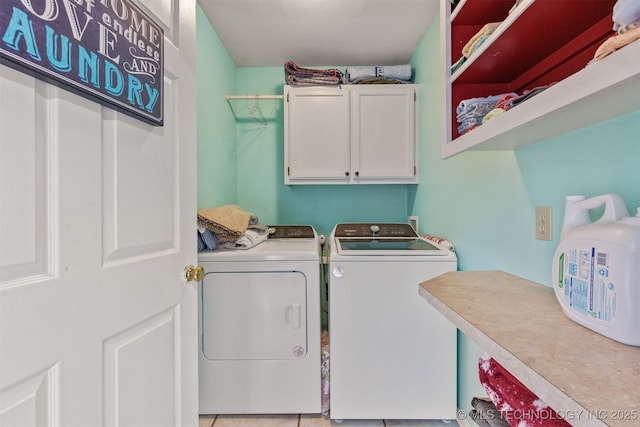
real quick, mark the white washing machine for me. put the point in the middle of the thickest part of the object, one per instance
(393, 356)
(259, 324)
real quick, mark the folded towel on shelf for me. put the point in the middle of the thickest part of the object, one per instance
(626, 15)
(401, 73)
(380, 81)
(227, 222)
(470, 112)
(472, 45)
(458, 64)
(299, 76)
(616, 42)
(528, 94)
(518, 405)
(476, 106)
(492, 114)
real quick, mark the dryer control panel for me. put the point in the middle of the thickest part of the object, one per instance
(291, 232)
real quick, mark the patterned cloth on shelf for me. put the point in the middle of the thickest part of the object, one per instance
(517, 404)
(440, 241)
(299, 76)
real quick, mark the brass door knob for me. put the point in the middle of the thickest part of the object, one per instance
(193, 274)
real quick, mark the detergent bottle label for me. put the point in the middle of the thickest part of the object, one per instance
(587, 287)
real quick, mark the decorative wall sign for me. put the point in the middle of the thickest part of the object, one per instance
(108, 50)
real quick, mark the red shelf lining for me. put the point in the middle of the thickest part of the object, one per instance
(479, 12)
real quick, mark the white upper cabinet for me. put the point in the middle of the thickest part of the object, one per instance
(536, 44)
(353, 134)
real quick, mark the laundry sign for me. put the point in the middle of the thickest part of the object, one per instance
(107, 50)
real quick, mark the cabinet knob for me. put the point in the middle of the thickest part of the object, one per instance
(357, 173)
(346, 173)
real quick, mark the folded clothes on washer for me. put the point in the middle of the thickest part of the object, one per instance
(252, 236)
(229, 227)
(206, 240)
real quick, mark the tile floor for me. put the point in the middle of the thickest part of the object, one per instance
(311, 421)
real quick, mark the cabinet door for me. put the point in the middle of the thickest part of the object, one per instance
(317, 133)
(384, 133)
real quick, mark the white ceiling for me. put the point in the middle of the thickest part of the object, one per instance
(267, 33)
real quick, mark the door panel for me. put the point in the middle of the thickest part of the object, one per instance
(141, 376)
(129, 147)
(24, 204)
(31, 402)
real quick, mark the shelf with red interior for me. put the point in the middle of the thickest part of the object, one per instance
(540, 43)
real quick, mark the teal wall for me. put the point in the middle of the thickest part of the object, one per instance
(216, 127)
(483, 202)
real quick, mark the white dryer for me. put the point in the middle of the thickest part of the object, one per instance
(392, 355)
(259, 324)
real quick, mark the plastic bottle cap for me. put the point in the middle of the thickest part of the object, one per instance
(633, 220)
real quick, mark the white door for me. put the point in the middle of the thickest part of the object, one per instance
(97, 221)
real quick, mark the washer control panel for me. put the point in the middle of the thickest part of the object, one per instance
(369, 229)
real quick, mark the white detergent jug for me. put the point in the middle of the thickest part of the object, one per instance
(596, 268)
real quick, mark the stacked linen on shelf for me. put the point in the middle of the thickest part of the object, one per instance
(379, 74)
(229, 227)
(474, 112)
(626, 24)
(299, 76)
(517, 404)
(470, 112)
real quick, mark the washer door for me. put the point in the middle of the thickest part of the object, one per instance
(254, 315)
